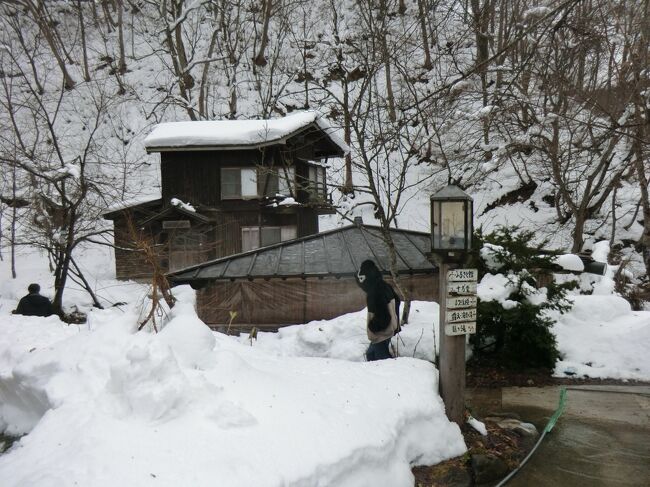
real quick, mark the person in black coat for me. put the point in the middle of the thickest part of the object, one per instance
(383, 310)
(34, 304)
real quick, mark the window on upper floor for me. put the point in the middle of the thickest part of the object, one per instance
(316, 185)
(276, 181)
(238, 183)
(245, 183)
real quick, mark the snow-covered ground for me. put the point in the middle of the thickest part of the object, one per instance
(601, 337)
(101, 404)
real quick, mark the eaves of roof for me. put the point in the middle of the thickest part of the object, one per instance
(116, 211)
(178, 209)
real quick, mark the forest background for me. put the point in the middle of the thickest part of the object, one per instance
(540, 110)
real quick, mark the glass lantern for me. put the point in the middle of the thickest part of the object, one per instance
(452, 216)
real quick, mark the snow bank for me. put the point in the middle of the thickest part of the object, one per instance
(345, 337)
(602, 337)
(105, 405)
(23, 399)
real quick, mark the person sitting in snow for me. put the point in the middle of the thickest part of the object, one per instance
(34, 304)
(383, 310)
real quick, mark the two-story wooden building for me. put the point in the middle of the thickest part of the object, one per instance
(229, 186)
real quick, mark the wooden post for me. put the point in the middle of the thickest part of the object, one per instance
(451, 363)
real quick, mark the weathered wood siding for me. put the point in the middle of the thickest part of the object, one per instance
(195, 176)
(277, 302)
(130, 263)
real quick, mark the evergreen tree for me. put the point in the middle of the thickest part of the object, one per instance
(516, 331)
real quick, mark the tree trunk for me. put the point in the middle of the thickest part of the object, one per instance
(84, 48)
(403, 294)
(110, 24)
(644, 181)
(425, 35)
(481, 24)
(63, 258)
(392, 114)
(121, 67)
(578, 231)
(232, 102)
(174, 40)
(203, 95)
(86, 285)
(260, 59)
(13, 226)
(348, 187)
(642, 123)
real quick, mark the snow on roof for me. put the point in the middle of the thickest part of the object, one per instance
(229, 133)
(123, 205)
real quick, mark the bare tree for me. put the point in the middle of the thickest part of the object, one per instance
(39, 14)
(54, 159)
(143, 244)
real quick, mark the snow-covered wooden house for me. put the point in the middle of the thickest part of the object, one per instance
(229, 186)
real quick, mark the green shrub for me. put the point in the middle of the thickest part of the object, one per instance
(518, 335)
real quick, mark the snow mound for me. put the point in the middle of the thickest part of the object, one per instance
(186, 406)
(147, 384)
(601, 337)
(186, 335)
(598, 309)
(345, 337)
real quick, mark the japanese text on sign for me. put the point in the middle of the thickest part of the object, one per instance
(460, 329)
(462, 288)
(462, 275)
(459, 315)
(457, 302)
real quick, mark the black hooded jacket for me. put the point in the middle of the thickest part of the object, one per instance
(379, 295)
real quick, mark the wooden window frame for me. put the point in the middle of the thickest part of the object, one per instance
(240, 196)
(284, 229)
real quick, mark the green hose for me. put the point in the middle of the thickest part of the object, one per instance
(549, 426)
(558, 412)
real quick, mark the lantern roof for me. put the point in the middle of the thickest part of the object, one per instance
(451, 192)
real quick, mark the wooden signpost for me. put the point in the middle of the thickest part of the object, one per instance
(452, 227)
(457, 319)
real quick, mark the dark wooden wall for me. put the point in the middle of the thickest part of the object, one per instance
(274, 303)
(130, 262)
(195, 177)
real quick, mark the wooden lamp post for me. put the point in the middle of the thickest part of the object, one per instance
(452, 216)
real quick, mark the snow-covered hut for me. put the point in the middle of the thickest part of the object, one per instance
(305, 279)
